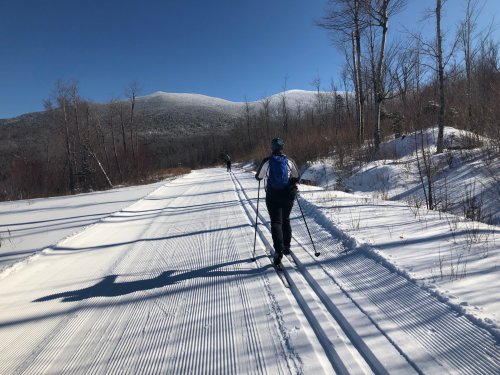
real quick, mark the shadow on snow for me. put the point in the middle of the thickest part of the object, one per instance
(108, 287)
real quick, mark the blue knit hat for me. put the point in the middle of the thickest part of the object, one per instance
(277, 144)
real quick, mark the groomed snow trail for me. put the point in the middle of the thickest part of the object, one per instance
(167, 286)
(393, 324)
(164, 286)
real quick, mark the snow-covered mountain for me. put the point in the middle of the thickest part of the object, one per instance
(160, 100)
(159, 117)
(182, 114)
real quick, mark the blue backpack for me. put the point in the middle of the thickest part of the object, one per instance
(278, 172)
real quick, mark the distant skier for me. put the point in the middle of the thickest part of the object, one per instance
(228, 163)
(281, 188)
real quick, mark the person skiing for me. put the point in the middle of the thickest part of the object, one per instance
(228, 163)
(281, 188)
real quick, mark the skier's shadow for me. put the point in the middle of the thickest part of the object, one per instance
(108, 287)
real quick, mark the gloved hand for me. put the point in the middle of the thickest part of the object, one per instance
(294, 180)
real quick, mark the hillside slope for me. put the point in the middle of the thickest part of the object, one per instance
(465, 178)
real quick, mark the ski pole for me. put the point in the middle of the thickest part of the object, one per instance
(316, 253)
(256, 218)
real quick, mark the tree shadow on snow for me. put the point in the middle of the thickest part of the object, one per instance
(145, 240)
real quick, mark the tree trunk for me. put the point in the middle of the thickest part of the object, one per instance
(379, 83)
(122, 124)
(100, 135)
(68, 151)
(442, 103)
(420, 171)
(359, 112)
(132, 106)
(115, 151)
(93, 154)
(467, 30)
(359, 73)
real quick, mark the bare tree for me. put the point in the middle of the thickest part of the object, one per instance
(266, 103)
(487, 79)
(403, 73)
(89, 144)
(316, 83)
(440, 68)
(248, 118)
(434, 50)
(131, 93)
(299, 112)
(468, 35)
(425, 169)
(101, 137)
(122, 126)
(347, 19)
(345, 74)
(113, 109)
(284, 109)
(337, 103)
(62, 96)
(380, 11)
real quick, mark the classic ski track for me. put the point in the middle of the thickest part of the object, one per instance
(451, 341)
(44, 356)
(339, 351)
(172, 329)
(438, 334)
(287, 351)
(119, 351)
(455, 343)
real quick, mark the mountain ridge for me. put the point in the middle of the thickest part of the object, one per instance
(293, 96)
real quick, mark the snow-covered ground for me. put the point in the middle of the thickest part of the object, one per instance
(166, 285)
(459, 261)
(463, 179)
(454, 257)
(29, 226)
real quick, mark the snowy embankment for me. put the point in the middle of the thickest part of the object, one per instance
(29, 226)
(456, 258)
(459, 261)
(465, 178)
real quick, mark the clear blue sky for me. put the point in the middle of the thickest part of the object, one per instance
(230, 49)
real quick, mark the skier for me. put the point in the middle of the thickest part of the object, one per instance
(281, 188)
(228, 163)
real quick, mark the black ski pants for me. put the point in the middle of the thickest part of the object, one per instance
(279, 205)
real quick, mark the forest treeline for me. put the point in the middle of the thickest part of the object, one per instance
(388, 87)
